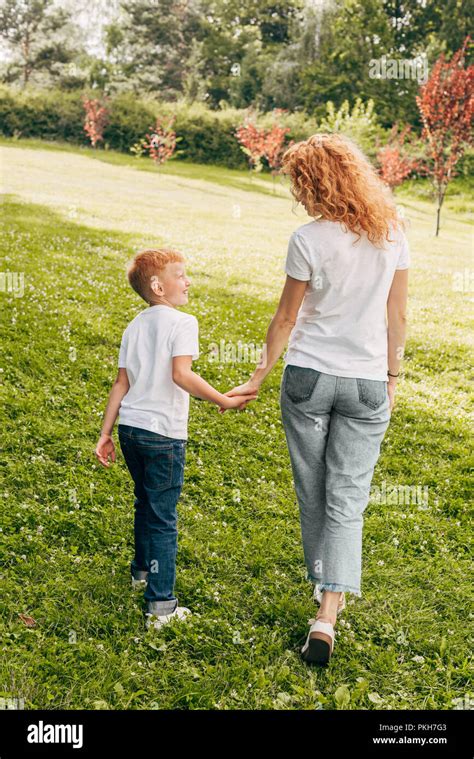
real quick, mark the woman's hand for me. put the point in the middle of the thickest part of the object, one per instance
(239, 401)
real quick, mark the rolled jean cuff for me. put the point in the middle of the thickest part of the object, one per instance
(160, 608)
(336, 588)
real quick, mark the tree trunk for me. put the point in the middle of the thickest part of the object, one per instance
(441, 195)
(26, 55)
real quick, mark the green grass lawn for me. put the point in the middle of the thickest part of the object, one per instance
(239, 179)
(73, 223)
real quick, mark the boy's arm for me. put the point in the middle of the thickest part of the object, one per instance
(184, 377)
(119, 389)
(105, 446)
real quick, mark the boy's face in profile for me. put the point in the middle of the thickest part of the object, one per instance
(172, 284)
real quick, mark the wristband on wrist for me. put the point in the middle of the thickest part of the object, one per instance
(393, 375)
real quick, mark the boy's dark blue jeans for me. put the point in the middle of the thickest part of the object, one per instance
(156, 464)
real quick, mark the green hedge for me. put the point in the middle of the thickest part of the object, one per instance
(129, 121)
(206, 136)
(50, 116)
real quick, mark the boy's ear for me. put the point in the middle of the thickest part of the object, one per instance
(156, 285)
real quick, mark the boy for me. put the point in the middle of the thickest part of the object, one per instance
(152, 390)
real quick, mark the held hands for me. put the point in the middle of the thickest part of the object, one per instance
(105, 448)
(239, 397)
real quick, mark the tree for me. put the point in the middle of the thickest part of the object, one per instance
(351, 36)
(333, 43)
(258, 143)
(272, 18)
(395, 164)
(252, 142)
(96, 118)
(161, 143)
(416, 23)
(282, 83)
(35, 35)
(275, 146)
(194, 78)
(446, 104)
(154, 43)
(211, 50)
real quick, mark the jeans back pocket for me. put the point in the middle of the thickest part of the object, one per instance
(299, 382)
(372, 393)
(158, 466)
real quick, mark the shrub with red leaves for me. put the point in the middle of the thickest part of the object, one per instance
(96, 118)
(160, 143)
(263, 143)
(252, 142)
(275, 146)
(395, 164)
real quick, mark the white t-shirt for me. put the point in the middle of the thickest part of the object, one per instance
(154, 402)
(341, 328)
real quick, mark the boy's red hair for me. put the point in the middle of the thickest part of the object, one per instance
(331, 176)
(147, 264)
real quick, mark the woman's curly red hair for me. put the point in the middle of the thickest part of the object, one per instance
(331, 177)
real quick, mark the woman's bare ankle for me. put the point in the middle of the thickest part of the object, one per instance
(329, 606)
(324, 616)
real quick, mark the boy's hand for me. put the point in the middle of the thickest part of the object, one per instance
(239, 401)
(105, 448)
(243, 393)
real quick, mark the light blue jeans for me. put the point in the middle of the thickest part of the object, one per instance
(334, 427)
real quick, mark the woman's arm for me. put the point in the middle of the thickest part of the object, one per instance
(278, 334)
(396, 316)
(192, 383)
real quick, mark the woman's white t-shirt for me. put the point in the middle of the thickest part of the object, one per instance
(341, 328)
(154, 402)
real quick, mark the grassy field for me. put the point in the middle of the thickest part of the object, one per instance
(73, 223)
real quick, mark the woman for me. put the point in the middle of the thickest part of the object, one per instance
(343, 309)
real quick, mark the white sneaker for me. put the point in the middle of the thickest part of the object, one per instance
(153, 620)
(319, 643)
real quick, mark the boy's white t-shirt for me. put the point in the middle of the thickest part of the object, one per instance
(154, 402)
(341, 328)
